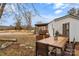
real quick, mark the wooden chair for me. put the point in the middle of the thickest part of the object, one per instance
(69, 49)
(41, 49)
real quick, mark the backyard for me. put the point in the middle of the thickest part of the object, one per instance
(24, 46)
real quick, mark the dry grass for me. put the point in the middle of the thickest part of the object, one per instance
(25, 45)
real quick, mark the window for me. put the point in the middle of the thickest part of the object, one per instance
(66, 29)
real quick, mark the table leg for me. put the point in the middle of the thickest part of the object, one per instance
(47, 50)
(41, 49)
(36, 49)
(55, 51)
(62, 51)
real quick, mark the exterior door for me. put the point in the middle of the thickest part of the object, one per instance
(66, 29)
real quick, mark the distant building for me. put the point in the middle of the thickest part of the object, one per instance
(41, 31)
(41, 27)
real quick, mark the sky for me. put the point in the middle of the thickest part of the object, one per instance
(46, 12)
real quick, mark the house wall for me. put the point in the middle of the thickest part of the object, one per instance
(50, 28)
(57, 25)
(74, 31)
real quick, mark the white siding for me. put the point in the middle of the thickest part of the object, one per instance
(50, 30)
(74, 28)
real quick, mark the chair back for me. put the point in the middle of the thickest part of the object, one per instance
(70, 48)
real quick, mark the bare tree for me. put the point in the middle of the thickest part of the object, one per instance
(18, 23)
(71, 11)
(2, 6)
(26, 14)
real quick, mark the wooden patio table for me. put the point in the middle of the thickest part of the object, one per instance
(59, 43)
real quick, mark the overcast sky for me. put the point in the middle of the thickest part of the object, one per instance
(47, 12)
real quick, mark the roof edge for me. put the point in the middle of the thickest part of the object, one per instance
(60, 18)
